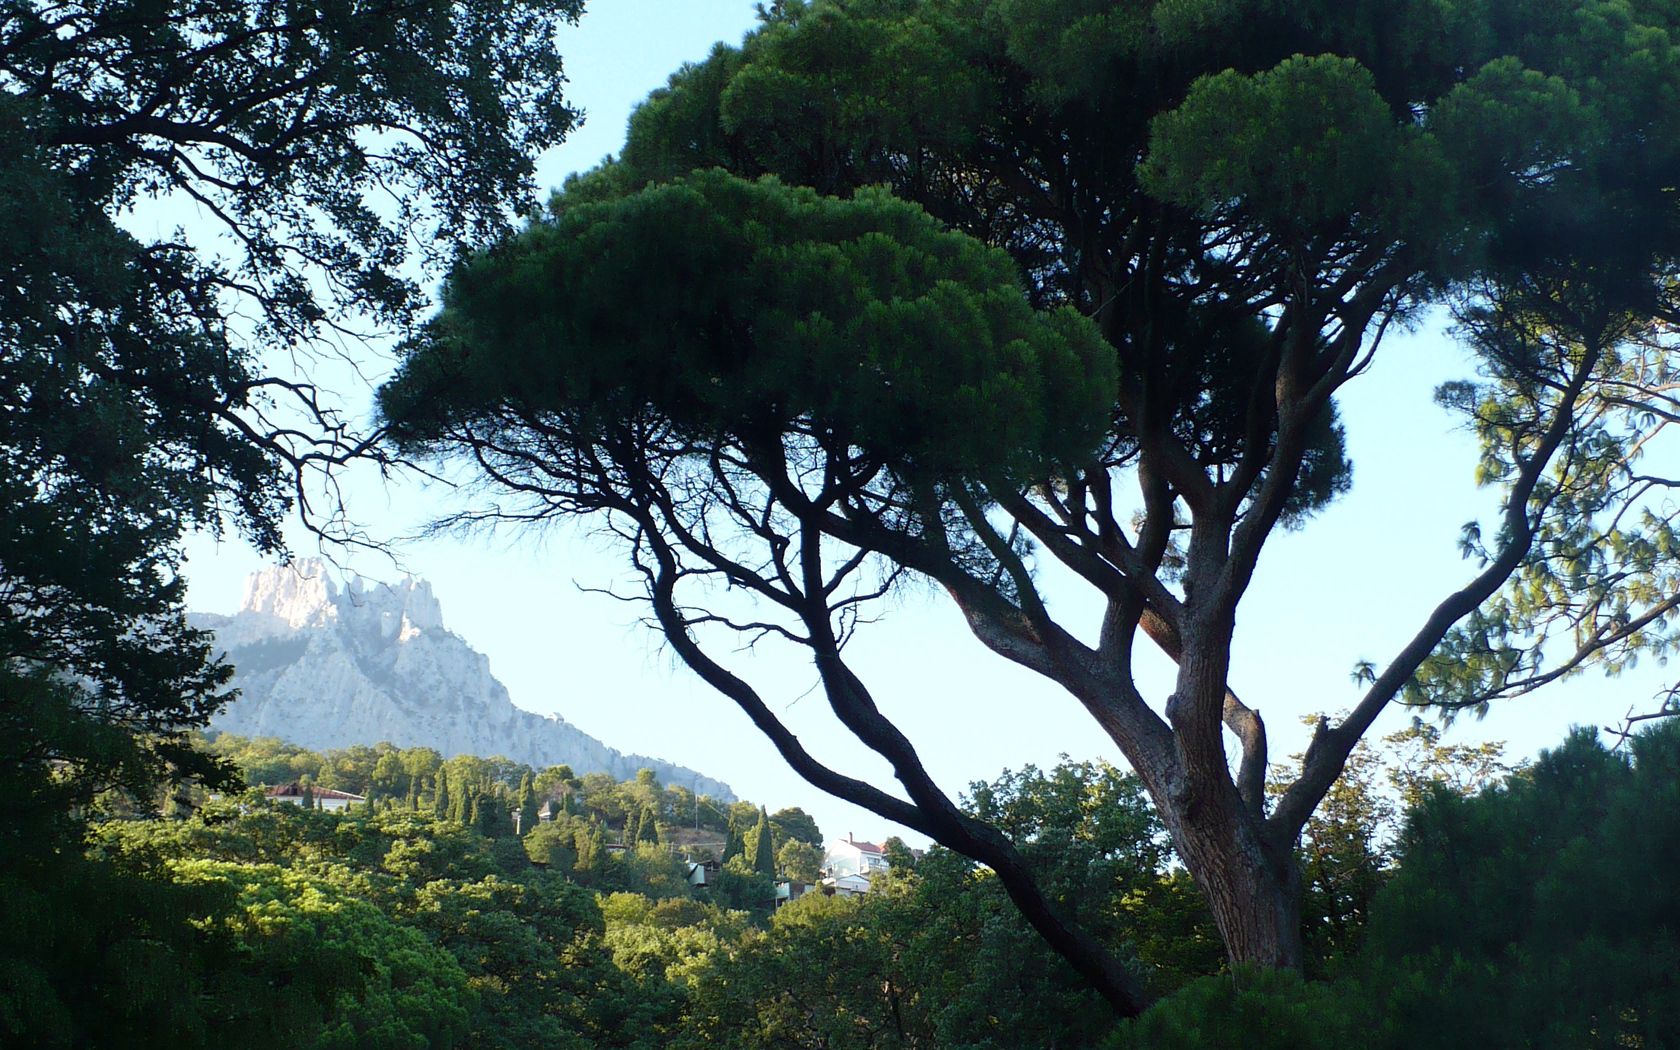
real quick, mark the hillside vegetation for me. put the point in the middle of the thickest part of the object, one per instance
(1506, 908)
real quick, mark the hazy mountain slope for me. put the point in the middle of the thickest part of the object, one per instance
(324, 666)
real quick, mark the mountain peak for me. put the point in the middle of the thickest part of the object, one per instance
(325, 666)
(402, 609)
(299, 594)
(303, 594)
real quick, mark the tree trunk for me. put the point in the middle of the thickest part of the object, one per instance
(1252, 887)
(1252, 884)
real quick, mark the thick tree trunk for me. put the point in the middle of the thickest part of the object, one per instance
(1252, 883)
(1252, 889)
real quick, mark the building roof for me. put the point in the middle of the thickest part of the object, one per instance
(295, 790)
(862, 847)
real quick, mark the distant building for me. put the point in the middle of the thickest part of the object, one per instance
(846, 885)
(849, 856)
(701, 873)
(324, 798)
(790, 890)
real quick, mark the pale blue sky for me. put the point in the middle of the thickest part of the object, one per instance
(1353, 584)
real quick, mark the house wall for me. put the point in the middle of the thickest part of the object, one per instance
(330, 804)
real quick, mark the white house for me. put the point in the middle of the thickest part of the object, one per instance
(849, 856)
(846, 885)
(324, 798)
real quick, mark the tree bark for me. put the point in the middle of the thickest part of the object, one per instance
(1252, 886)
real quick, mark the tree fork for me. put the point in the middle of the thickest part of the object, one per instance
(1108, 977)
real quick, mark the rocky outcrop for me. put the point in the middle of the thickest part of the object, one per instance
(327, 666)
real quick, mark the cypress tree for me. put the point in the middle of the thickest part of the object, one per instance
(477, 813)
(498, 813)
(591, 846)
(527, 806)
(461, 804)
(308, 796)
(647, 830)
(764, 850)
(440, 797)
(732, 842)
(632, 828)
(413, 793)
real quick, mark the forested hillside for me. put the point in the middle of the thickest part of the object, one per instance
(1448, 900)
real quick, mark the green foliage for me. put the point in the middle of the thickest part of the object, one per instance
(1345, 861)
(761, 846)
(136, 407)
(101, 952)
(733, 843)
(1526, 915)
(529, 950)
(1298, 148)
(1095, 843)
(794, 823)
(737, 887)
(592, 848)
(799, 861)
(555, 782)
(136, 411)
(360, 769)
(553, 844)
(1259, 1009)
(1420, 765)
(529, 943)
(937, 957)
(862, 315)
(1346, 851)
(442, 804)
(648, 830)
(345, 975)
(1517, 913)
(1600, 583)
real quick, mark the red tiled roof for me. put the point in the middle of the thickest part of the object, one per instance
(863, 847)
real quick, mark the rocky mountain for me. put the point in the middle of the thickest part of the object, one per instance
(325, 666)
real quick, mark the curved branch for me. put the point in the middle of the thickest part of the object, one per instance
(1328, 752)
(856, 709)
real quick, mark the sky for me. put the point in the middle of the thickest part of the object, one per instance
(1352, 584)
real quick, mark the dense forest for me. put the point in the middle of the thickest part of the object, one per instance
(1452, 901)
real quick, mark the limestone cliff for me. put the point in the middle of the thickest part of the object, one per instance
(328, 666)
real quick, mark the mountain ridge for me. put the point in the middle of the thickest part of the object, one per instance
(324, 666)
